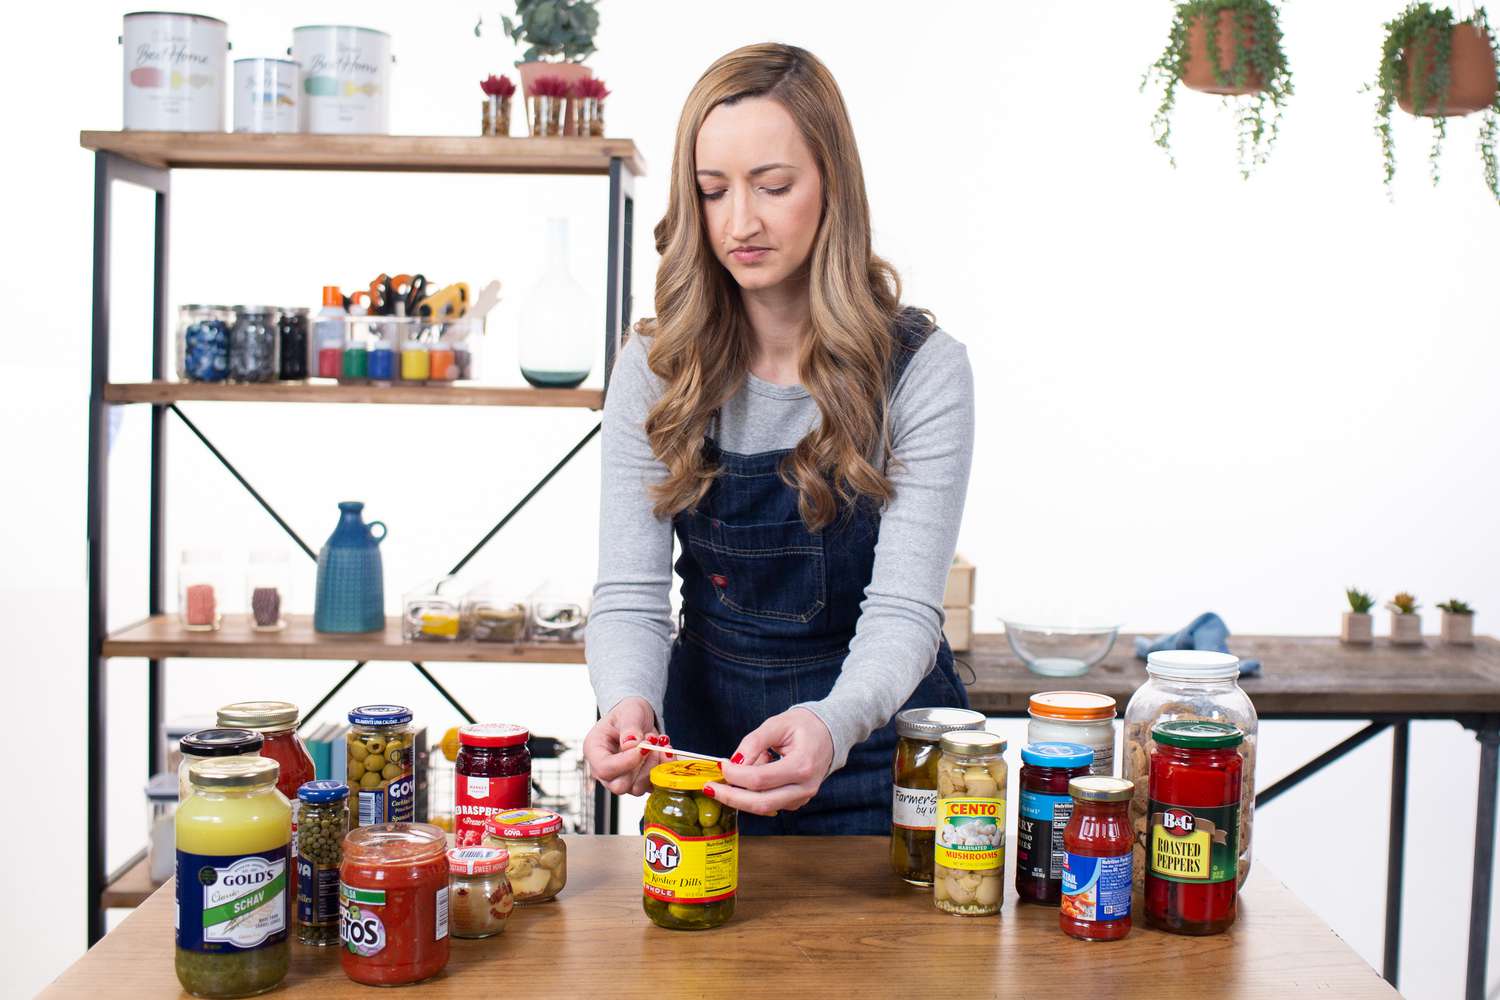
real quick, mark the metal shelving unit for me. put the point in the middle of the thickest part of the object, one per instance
(146, 160)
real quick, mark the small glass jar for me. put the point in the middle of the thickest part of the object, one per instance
(479, 894)
(1046, 806)
(432, 614)
(213, 743)
(203, 343)
(538, 867)
(416, 366)
(394, 887)
(161, 808)
(914, 785)
(382, 764)
(492, 774)
(691, 864)
(1098, 841)
(200, 588)
(1076, 717)
(1195, 685)
(969, 853)
(291, 332)
(490, 615)
(252, 344)
(268, 585)
(557, 621)
(322, 821)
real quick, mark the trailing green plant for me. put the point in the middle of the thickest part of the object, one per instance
(563, 28)
(1455, 607)
(1416, 31)
(1257, 50)
(1359, 601)
(1403, 604)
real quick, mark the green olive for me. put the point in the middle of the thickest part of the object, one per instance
(394, 753)
(356, 770)
(374, 746)
(374, 762)
(370, 780)
(391, 772)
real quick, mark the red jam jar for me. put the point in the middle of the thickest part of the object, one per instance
(1046, 769)
(1099, 850)
(1193, 825)
(393, 903)
(493, 774)
(276, 721)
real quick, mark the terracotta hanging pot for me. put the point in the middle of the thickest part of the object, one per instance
(1471, 81)
(1198, 70)
(568, 72)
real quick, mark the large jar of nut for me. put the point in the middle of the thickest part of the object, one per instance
(382, 764)
(969, 849)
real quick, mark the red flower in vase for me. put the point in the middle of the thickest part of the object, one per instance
(497, 86)
(549, 86)
(590, 87)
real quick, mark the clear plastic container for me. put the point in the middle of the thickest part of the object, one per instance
(252, 344)
(1188, 684)
(203, 342)
(557, 621)
(433, 612)
(490, 615)
(161, 807)
(200, 589)
(268, 589)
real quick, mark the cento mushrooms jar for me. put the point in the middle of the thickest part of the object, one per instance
(969, 854)
(393, 909)
(690, 868)
(538, 867)
(914, 785)
(1076, 717)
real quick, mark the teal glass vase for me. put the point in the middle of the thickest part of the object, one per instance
(351, 587)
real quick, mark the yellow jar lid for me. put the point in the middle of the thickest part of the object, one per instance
(685, 775)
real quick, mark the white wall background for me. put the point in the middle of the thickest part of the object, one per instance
(1194, 392)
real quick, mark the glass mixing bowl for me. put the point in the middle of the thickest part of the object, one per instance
(1060, 650)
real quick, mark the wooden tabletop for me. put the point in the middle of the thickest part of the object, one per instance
(1300, 676)
(817, 917)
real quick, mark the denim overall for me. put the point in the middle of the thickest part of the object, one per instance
(768, 609)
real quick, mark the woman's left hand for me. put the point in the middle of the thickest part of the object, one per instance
(757, 783)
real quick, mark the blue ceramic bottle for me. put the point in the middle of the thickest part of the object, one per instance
(351, 588)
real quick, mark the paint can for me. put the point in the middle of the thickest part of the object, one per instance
(265, 95)
(174, 71)
(346, 78)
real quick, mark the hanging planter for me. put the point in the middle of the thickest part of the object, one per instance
(1436, 67)
(1231, 48)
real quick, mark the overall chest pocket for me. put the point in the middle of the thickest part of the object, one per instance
(772, 571)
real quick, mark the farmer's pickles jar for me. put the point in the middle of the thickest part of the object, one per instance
(915, 785)
(969, 853)
(690, 868)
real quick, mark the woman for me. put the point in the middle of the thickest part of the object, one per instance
(808, 440)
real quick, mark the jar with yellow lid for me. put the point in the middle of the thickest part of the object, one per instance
(691, 865)
(538, 867)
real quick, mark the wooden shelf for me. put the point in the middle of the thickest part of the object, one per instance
(161, 636)
(130, 888)
(313, 392)
(439, 153)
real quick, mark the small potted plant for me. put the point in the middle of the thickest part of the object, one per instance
(587, 98)
(495, 112)
(1358, 626)
(544, 105)
(1231, 48)
(1458, 623)
(1436, 67)
(559, 35)
(1406, 624)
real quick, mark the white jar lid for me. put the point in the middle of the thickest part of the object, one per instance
(1193, 664)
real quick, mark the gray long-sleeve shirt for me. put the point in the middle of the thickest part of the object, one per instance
(896, 639)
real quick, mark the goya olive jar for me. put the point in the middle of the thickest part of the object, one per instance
(914, 785)
(690, 864)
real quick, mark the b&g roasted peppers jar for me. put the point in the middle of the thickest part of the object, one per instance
(492, 774)
(690, 868)
(1046, 769)
(914, 785)
(1099, 844)
(1193, 823)
(393, 895)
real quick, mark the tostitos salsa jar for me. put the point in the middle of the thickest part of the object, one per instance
(393, 903)
(692, 844)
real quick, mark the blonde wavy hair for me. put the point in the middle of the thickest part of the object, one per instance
(701, 339)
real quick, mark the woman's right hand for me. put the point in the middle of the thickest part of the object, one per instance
(617, 747)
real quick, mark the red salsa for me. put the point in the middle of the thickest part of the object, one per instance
(1192, 826)
(1046, 769)
(493, 774)
(393, 903)
(1098, 853)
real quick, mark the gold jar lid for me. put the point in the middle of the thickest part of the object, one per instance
(972, 743)
(1101, 788)
(262, 716)
(234, 772)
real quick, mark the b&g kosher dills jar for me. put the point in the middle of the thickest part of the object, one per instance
(491, 774)
(393, 913)
(233, 855)
(690, 867)
(914, 785)
(969, 855)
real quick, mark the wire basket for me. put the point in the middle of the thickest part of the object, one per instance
(559, 781)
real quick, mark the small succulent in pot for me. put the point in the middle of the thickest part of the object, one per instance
(1357, 628)
(1458, 622)
(1406, 624)
(495, 111)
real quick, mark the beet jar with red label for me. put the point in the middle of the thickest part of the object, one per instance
(493, 774)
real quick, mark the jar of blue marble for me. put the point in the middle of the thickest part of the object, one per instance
(203, 343)
(252, 344)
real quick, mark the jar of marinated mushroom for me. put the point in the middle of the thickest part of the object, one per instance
(969, 849)
(914, 785)
(538, 867)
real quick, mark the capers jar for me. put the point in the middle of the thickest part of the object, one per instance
(321, 824)
(914, 779)
(691, 865)
(538, 866)
(382, 764)
(969, 852)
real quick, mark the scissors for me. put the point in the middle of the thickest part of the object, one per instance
(397, 296)
(449, 302)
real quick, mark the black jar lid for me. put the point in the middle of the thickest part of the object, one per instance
(221, 743)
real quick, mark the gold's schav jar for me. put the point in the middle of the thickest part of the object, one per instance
(914, 782)
(690, 863)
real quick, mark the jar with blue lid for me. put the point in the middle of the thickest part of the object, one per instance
(382, 764)
(322, 821)
(1046, 807)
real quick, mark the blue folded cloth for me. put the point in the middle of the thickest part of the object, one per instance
(1207, 631)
